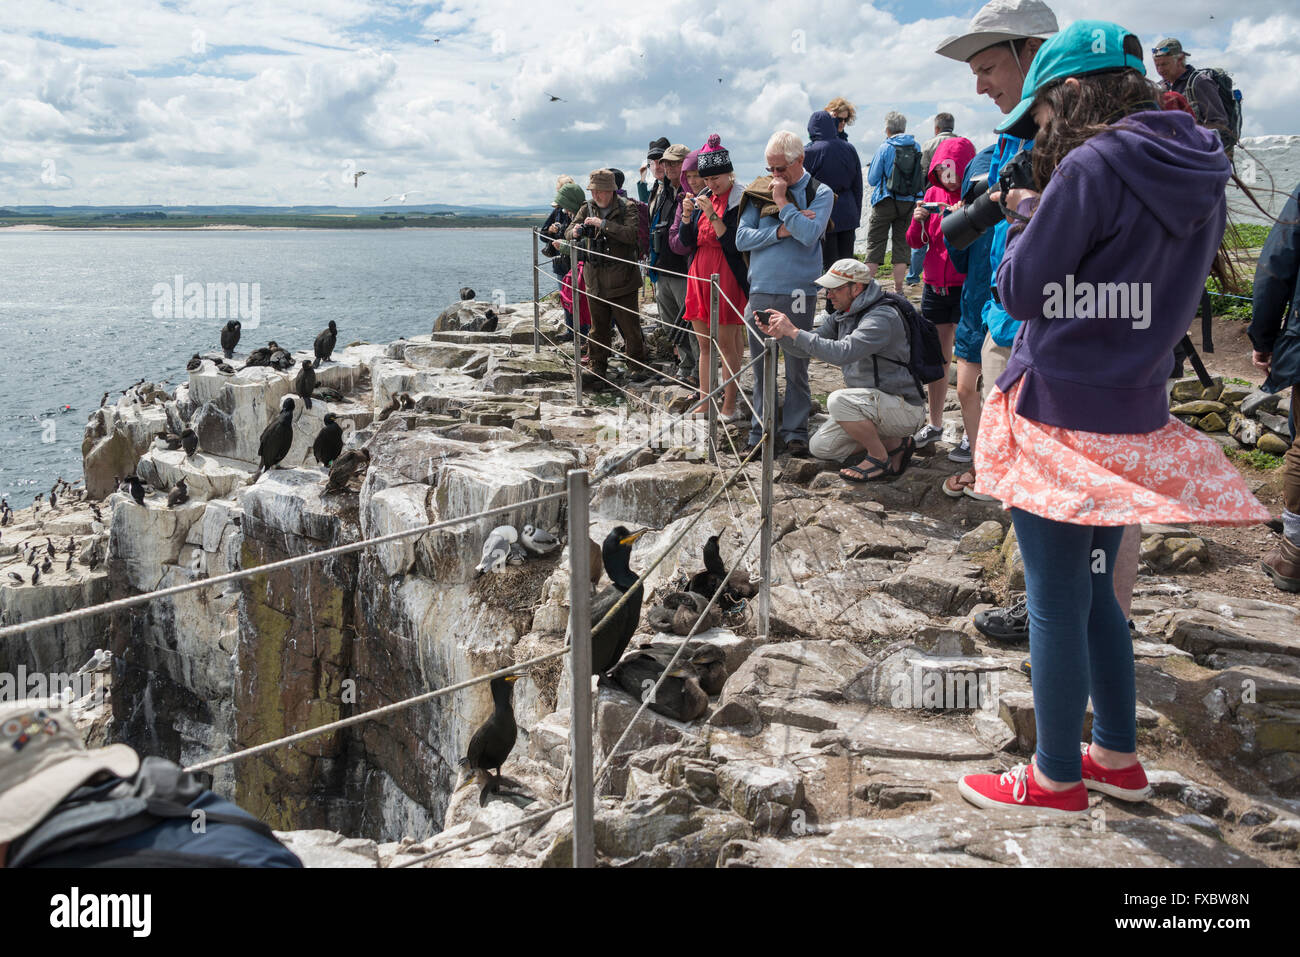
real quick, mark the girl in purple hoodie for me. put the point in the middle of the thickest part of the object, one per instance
(1102, 268)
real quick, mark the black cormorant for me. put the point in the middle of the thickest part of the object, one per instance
(276, 438)
(491, 744)
(230, 338)
(609, 640)
(329, 441)
(305, 382)
(324, 344)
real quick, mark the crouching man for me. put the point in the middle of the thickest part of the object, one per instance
(879, 408)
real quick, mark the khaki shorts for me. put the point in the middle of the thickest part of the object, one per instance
(892, 415)
(993, 362)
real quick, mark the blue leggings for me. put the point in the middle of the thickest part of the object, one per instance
(1079, 644)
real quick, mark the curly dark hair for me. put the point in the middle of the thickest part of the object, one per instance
(1096, 104)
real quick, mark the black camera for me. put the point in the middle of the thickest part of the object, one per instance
(963, 226)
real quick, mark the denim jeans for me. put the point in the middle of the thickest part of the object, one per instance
(797, 406)
(1079, 644)
(918, 260)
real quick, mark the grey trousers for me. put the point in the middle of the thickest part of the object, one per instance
(670, 297)
(798, 400)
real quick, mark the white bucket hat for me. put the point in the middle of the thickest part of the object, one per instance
(1000, 21)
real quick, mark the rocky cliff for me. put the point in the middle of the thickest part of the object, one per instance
(839, 739)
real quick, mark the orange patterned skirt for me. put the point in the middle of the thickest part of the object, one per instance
(1172, 476)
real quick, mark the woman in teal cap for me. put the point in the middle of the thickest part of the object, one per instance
(1102, 267)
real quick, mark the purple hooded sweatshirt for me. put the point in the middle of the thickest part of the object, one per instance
(1109, 271)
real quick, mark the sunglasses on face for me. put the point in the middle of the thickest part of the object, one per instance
(777, 169)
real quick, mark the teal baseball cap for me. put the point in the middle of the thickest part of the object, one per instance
(1085, 46)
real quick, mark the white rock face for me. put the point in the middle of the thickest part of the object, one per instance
(1270, 168)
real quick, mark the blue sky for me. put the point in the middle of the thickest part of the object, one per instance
(248, 101)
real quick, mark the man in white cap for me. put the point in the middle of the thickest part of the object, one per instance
(881, 404)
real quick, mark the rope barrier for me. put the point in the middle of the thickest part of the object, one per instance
(370, 715)
(79, 613)
(647, 698)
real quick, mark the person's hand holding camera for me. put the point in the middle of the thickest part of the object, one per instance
(920, 213)
(777, 324)
(593, 221)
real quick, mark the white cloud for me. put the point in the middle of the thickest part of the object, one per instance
(283, 95)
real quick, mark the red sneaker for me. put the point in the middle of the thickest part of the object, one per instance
(1127, 784)
(1017, 788)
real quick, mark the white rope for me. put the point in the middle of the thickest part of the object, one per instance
(370, 715)
(647, 698)
(79, 613)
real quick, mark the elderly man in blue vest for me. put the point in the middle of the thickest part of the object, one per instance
(782, 232)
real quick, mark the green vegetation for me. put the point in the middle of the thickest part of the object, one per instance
(1232, 380)
(1255, 459)
(1246, 236)
(284, 221)
(1234, 306)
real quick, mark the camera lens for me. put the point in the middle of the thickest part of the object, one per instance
(964, 226)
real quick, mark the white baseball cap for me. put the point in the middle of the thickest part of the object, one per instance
(1000, 21)
(843, 271)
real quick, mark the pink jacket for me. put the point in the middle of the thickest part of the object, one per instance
(939, 270)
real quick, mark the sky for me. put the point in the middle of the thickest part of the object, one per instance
(279, 103)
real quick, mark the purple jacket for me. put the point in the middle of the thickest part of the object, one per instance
(1109, 271)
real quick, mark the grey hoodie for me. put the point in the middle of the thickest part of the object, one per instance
(869, 327)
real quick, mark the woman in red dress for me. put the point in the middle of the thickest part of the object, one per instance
(706, 232)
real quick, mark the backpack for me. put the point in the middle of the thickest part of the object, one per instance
(150, 820)
(926, 359)
(1229, 95)
(642, 228)
(906, 177)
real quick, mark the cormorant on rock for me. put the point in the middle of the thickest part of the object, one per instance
(189, 442)
(706, 582)
(324, 344)
(276, 438)
(36, 575)
(49, 546)
(329, 441)
(406, 402)
(54, 499)
(680, 697)
(230, 338)
(326, 394)
(393, 405)
(609, 639)
(178, 495)
(305, 382)
(466, 293)
(491, 744)
(136, 488)
(346, 467)
(195, 364)
(225, 369)
(538, 541)
(496, 549)
(166, 441)
(489, 323)
(261, 357)
(46, 566)
(280, 359)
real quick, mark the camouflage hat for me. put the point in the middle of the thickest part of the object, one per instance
(1167, 46)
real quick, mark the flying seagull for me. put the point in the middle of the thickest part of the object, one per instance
(357, 176)
(554, 98)
(401, 197)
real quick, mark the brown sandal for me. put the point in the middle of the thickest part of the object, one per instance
(954, 486)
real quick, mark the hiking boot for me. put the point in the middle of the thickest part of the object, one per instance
(928, 435)
(1009, 625)
(1017, 788)
(1127, 784)
(1283, 566)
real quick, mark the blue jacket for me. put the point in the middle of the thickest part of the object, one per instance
(836, 163)
(780, 266)
(882, 164)
(1275, 326)
(1000, 325)
(974, 259)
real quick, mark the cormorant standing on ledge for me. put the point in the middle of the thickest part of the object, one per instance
(324, 344)
(305, 382)
(189, 442)
(609, 641)
(491, 744)
(276, 438)
(230, 338)
(329, 441)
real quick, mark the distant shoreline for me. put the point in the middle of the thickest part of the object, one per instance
(227, 227)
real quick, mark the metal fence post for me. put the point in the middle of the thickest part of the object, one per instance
(537, 306)
(769, 458)
(712, 408)
(577, 324)
(584, 801)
